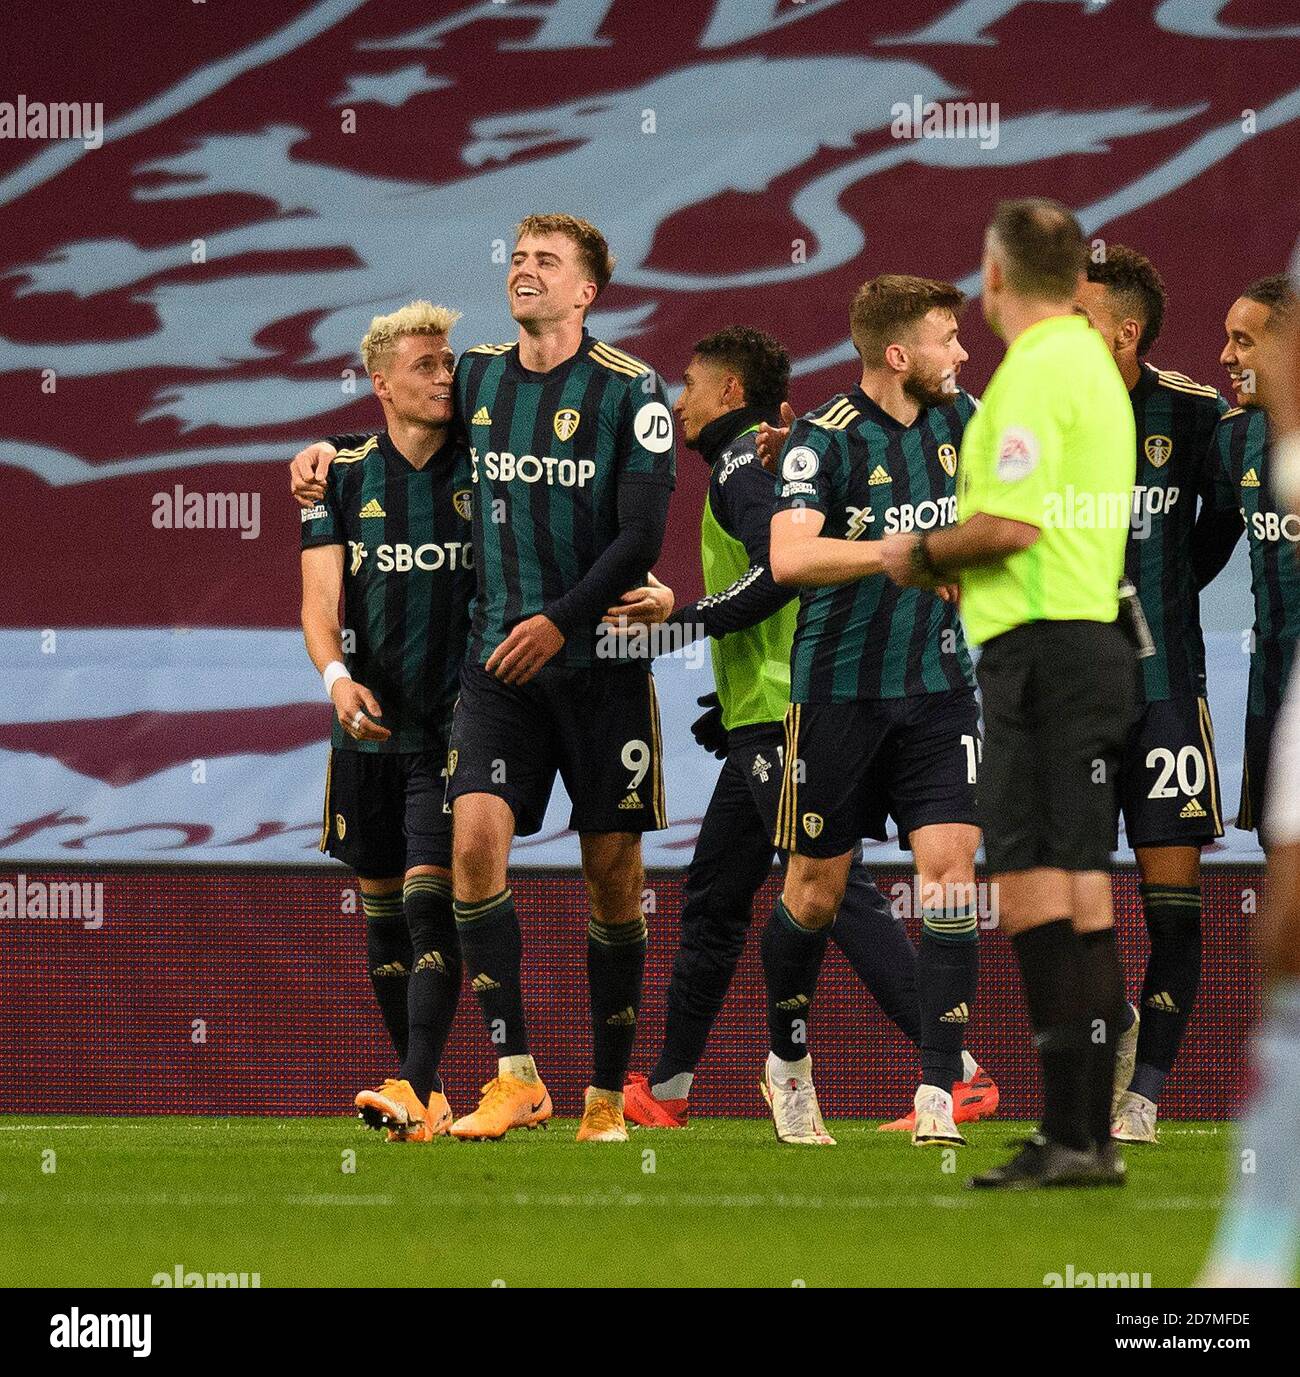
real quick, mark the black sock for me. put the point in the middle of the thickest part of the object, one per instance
(615, 967)
(792, 959)
(1051, 969)
(878, 948)
(1103, 988)
(947, 968)
(388, 959)
(492, 950)
(1173, 975)
(435, 978)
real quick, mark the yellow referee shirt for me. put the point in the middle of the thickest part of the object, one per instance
(1053, 445)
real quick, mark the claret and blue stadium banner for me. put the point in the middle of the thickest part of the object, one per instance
(204, 207)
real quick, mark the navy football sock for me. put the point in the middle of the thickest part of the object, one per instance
(878, 948)
(492, 950)
(792, 959)
(1173, 917)
(388, 960)
(615, 968)
(434, 987)
(947, 968)
(1051, 968)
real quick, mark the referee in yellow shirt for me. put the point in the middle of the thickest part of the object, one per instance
(1044, 492)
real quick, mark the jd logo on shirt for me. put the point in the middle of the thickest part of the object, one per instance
(653, 428)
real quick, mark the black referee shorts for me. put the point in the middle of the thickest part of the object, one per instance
(1059, 699)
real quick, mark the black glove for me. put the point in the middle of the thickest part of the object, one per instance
(708, 730)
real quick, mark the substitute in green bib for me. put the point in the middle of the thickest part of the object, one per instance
(1045, 490)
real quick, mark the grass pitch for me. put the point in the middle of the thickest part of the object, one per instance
(718, 1204)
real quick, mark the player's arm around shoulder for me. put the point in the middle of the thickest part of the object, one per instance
(308, 472)
(1219, 522)
(322, 592)
(309, 468)
(739, 486)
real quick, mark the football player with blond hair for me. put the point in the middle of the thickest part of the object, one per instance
(388, 539)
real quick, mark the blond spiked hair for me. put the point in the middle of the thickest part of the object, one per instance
(417, 318)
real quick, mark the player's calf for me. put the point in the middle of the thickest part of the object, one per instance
(947, 963)
(388, 955)
(616, 948)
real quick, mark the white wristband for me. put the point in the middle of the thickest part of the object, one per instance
(333, 672)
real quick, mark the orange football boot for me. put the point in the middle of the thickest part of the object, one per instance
(437, 1123)
(640, 1106)
(972, 1100)
(602, 1117)
(395, 1106)
(507, 1103)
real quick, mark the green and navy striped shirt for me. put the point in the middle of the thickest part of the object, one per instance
(1175, 420)
(408, 579)
(1242, 444)
(871, 476)
(548, 452)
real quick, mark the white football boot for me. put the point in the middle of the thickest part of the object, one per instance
(1125, 1060)
(1134, 1121)
(788, 1089)
(934, 1121)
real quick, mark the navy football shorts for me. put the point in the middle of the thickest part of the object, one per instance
(849, 767)
(598, 729)
(1169, 780)
(385, 811)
